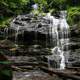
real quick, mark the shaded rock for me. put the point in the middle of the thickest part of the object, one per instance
(34, 75)
(37, 50)
(18, 23)
(27, 22)
(33, 50)
(74, 58)
(76, 64)
(72, 46)
(22, 58)
(73, 39)
(26, 19)
(75, 31)
(6, 44)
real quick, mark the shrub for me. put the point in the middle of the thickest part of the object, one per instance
(73, 15)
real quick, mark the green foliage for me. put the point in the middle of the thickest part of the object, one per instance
(57, 4)
(6, 73)
(73, 3)
(42, 5)
(27, 8)
(5, 21)
(10, 8)
(73, 15)
(13, 6)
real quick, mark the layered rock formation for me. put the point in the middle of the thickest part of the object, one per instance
(74, 57)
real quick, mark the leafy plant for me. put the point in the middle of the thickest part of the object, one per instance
(73, 15)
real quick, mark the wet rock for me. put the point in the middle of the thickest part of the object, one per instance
(36, 31)
(73, 39)
(26, 19)
(38, 21)
(74, 58)
(75, 31)
(18, 23)
(38, 50)
(51, 61)
(6, 44)
(76, 64)
(72, 46)
(32, 50)
(34, 75)
(22, 59)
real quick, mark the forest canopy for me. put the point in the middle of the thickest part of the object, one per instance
(11, 8)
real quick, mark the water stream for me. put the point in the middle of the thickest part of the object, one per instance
(59, 32)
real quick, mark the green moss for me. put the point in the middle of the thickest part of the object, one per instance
(73, 15)
(5, 22)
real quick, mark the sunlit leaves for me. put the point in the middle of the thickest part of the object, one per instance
(73, 15)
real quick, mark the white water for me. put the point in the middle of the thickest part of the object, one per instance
(6, 32)
(17, 29)
(16, 34)
(59, 29)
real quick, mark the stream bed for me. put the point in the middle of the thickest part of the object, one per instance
(33, 75)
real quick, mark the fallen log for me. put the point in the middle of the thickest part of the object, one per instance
(62, 74)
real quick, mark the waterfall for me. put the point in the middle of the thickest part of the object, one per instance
(16, 34)
(6, 33)
(59, 32)
(17, 28)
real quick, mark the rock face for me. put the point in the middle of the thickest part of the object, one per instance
(35, 29)
(74, 57)
(30, 30)
(31, 23)
(45, 31)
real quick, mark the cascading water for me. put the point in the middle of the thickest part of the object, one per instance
(59, 31)
(17, 29)
(16, 34)
(6, 32)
